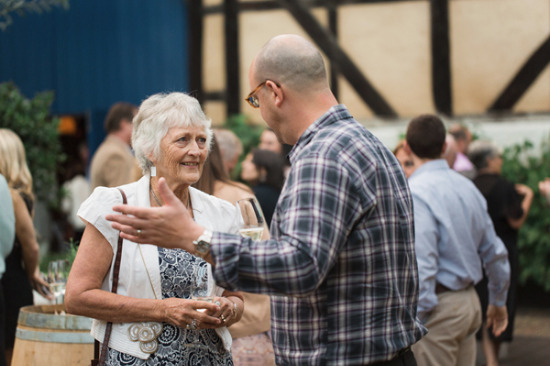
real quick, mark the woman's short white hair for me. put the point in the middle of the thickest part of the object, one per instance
(156, 115)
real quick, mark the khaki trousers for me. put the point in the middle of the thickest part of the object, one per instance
(452, 327)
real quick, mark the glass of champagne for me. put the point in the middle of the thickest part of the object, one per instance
(57, 278)
(253, 220)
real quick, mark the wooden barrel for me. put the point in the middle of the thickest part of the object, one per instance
(46, 338)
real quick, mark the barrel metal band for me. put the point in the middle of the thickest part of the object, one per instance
(54, 337)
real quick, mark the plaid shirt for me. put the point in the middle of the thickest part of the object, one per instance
(340, 266)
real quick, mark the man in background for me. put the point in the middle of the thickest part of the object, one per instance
(113, 163)
(454, 237)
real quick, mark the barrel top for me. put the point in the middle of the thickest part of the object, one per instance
(43, 316)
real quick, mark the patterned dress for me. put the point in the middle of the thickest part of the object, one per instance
(183, 276)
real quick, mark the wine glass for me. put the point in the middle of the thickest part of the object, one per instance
(57, 278)
(253, 220)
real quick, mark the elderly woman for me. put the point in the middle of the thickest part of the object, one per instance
(508, 205)
(157, 288)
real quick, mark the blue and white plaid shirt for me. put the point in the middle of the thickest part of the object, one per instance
(340, 266)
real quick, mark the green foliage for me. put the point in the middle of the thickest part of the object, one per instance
(522, 166)
(248, 134)
(21, 7)
(31, 120)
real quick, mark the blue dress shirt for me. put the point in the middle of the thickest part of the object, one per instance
(454, 236)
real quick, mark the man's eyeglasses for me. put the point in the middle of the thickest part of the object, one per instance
(252, 99)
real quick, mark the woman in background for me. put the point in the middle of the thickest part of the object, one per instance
(263, 170)
(22, 273)
(251, 341)
(508, 205)
(404, 158)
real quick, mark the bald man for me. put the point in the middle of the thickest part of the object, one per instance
(340, 267)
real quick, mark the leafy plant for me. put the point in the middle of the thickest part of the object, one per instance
(521, 165)
(21, 7)
(31, 120)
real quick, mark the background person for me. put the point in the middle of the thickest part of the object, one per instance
(404, 158)
(7, 235)
(270, 141)
(508, 205)
(22, 274)
(454, 237)
(251, 342)
(463, 138)
(113, 163)
(263, 170)
(157, 286)
(544, 188)
(340, 264)
(230, 146)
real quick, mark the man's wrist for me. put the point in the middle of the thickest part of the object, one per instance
(202, 244)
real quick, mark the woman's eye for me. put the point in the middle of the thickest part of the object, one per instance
(201, 140)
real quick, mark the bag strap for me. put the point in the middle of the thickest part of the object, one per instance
(116, 270)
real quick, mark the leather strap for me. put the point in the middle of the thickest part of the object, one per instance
(114, 287)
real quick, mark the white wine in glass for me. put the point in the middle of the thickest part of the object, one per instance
(253, 218)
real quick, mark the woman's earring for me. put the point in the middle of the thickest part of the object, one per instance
(153, 171)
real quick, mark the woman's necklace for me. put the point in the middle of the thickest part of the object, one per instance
(160, 204)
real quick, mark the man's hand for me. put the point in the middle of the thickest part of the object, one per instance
(169, 226)
(497, 316)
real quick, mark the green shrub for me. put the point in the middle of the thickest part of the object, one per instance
(520, 165)
(31, 120)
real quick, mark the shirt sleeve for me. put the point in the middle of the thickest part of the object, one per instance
(427, 255)
(494, 256)
(314, 214)
(97, 206)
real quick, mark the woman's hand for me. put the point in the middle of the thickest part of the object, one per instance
(182, 312)
(39, 284)
(231, 308)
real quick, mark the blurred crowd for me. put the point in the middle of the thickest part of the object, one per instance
(466, 222)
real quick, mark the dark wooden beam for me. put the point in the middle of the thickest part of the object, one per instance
(219, 96)
(332, 8)
(195, 48)
(441, 56)
(273, 5)
(330, 47)
(232, 62)
(525, 77)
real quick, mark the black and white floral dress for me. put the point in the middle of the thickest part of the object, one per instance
(183, 276)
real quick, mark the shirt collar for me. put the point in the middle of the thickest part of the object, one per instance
(334, 114)
(438, 164)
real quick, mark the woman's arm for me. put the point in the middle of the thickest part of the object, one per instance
(527, 194)
(84, 295)
(24, 230)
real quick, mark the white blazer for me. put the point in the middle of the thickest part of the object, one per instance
(211, 212)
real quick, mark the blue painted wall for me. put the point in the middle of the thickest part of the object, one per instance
(97, 53)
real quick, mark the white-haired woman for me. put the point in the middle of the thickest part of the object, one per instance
(22, 273)
(171, 138)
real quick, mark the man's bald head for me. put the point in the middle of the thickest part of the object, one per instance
(291, 60)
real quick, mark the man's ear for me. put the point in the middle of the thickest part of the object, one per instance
(276, 92)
